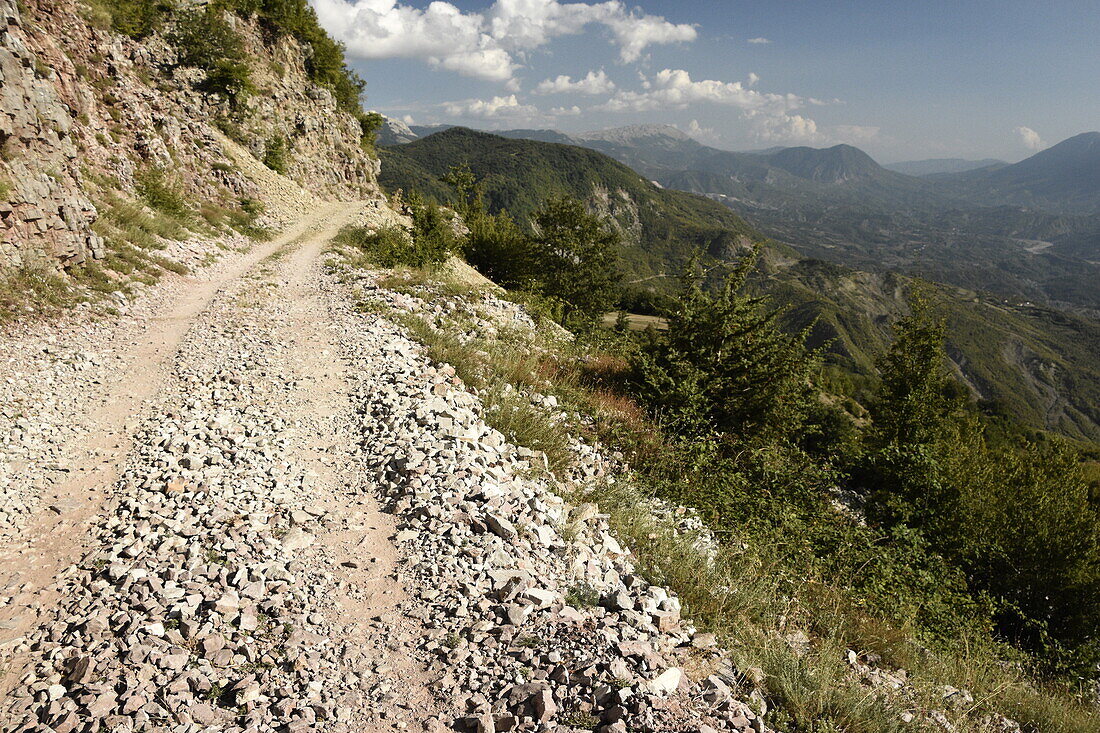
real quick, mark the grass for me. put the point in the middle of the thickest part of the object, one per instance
(745, 594)
(30, 291)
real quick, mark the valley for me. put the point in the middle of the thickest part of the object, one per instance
(1037, 363)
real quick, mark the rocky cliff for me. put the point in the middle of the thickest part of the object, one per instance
(85, 110)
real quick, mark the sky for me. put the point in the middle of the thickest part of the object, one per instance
(902, 80)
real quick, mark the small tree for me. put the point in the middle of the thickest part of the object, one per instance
(724, 364)
(502, 251)
(470, 202)
(576, 256)
(205, 40)
(914, 410)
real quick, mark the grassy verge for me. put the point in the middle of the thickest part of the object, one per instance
(751, 595)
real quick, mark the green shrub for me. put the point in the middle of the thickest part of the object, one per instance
(369, 124)
(386, 247)
(326, 64)
(1019, 519)
(276, 154)
(134, 18)
(162, 192)
(725, 364)
(205, 40)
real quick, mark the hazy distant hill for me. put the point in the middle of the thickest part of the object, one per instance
(1064, 178)
(838, 164)
(1038, 364)
(838, 204)
(933, 166)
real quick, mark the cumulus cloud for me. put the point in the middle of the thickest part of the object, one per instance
(595, 82)
(784, 128)
(565, 111)
(696, 130)
(496, 108)
(674, 88)
(758, 41)
(488, 44)
(855, 133)
(1030, 138)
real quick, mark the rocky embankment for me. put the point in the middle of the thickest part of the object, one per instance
(85, 111)
(316, 529)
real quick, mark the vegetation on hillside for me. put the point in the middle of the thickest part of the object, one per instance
(207, 40)
(1033, 365)
(729, 412)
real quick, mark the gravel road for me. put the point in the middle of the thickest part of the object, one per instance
(251, 505)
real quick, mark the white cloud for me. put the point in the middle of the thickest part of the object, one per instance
(674, 88)
(769, 114)
(595, 82)
(758, 41)
(496, 108)
(635, 32)
(489, 44)
(855, 133)
(784, 128)
(1030, 138)
(696, 130)
(566, 111)
(408, 120)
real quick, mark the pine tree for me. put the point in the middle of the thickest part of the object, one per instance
(575, 254)
(724, 364)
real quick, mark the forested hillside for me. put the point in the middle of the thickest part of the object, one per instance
(1035, 364)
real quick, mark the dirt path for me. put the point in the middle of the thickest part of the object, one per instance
(56, 536)
(360, 550)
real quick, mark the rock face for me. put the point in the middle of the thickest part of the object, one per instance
(84, 109)
(43, 214)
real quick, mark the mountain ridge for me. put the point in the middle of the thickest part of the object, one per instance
(1048, 381)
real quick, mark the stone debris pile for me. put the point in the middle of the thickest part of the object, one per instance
(197, 610)
(535, 618)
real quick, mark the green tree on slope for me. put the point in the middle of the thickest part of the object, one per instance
(724, 364)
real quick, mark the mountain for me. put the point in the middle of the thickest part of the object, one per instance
(1037, 364)
(838, 204)
(1063, 178)
(838, 164)
(546, 136)
(394, 132)
(934, 166)
(663, 228)
(636, 135)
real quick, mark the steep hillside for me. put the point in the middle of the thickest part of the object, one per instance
(662, 228)
(111, 106)
(1039, 365)
(838, 164)
(1064, 178)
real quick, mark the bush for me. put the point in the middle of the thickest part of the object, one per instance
(161, 192)
(724, 364)
(369, 124)
(134, 18)
(206, 40)
(326, 64)
(575, 254)
(276, 152)
(430, 243)
(1019, 520)
(502, 251)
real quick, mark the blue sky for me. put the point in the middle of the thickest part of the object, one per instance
(903, 81)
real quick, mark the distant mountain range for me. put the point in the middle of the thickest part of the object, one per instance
(1028, 231)
(1038, 364)
(1063, 178)
(933, 166)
